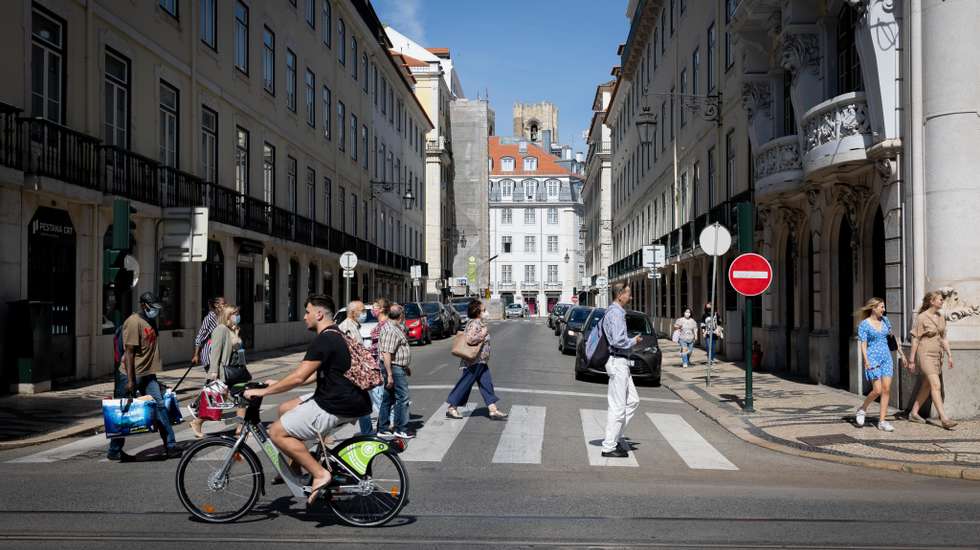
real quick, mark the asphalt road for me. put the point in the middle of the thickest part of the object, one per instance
(521, 483)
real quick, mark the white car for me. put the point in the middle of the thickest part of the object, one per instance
(368, 321)
(514, 310)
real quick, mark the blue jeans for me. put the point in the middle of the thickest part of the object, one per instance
(686, 349)
(479, 373)
(377, 394)
(395, 398)
(145, 385)
(709, 346)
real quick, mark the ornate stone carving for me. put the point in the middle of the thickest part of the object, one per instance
(793, 218)
(837, 122)
(756, 97)
(953, 308)
(885, 168)
(850, 197)
(801, 52)
(781, 156)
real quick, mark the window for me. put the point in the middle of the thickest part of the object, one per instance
(653, 49)
(241, 37)
(353, 136)
(552, 274)
(507, 164)
(729, 163)
(683, 92)
(530, 163)
(271, 282)
(506, 242)
(341, 41)
(326, 111)
(530, 218)
(341, 122)
(695, 183)
(364, 63)
(364, 146)
(170, 277)
(169, 115)
(695, 69)
(529, 244)
(116, 100)
(552, 216)
(529, 274)
(209, 145)
(291, 198)
(353, 57)
(683, 6)
(530, 189)
(506, 274)
(342, 193)
(507, 189)
(47, 69)
(552, 244)
(169, 6)
(241, 160)
(506, 216)
(663, 126)
(663, 31)
(269, 60)
(310, 98)
(553, 187)
(711, 177)
(729, 51)
(269, 174)
(290, 80)
(672, 3)
(848, 63)
(311, 193)
(310, 12)
(682, 200)
(327, 200)
(712, 39)
(208, 23)
(327, 23)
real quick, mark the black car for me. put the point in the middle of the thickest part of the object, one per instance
(438, 322)
(463, 309)
(557, 312)
(562, 319)
(645, 359)
(572, 328)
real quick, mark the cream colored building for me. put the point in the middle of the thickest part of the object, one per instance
(597, 197)
(273, 116)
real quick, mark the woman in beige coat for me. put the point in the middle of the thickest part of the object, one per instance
(225, 344)
(928, 344)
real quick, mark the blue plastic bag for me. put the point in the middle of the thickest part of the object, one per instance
(124, 417)
(173, 407)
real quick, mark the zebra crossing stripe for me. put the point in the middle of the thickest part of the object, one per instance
(594, 430)
(433, 441)
(693, 449)
(523, 436)
(64, 452)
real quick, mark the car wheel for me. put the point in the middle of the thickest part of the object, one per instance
(579, 376)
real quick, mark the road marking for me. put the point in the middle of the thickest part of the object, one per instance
(750, 274)
(523, 436)
(65, 451)
(439, 368)
(434, 439)
(594, 430)
(696, 452)
(539, 392)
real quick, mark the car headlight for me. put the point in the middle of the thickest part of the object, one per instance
(571, 333)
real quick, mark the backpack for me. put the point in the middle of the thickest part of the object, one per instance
(599, 346)
(363, 372)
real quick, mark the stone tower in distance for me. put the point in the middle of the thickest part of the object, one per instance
(532, 119)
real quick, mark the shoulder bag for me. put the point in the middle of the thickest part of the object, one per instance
(464, 350)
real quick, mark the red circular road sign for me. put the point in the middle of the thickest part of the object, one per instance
(750, 274)
(574, 299)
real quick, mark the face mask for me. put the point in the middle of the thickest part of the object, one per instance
(687, 314)
(236, 319)
(152, 313)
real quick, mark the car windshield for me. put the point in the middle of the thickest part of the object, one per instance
(430, 307)
(579, 315)
(461, 308)
(514, 306)
(559, 310)
(597, 315)
(638, 324)
(412, 311)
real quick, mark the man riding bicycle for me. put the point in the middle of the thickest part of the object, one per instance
(335, 402)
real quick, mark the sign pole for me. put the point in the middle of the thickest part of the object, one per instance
(746, 227)
(713, 320)
(348, 289)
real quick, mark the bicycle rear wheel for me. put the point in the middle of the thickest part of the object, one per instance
(210, 495)
(375, 500)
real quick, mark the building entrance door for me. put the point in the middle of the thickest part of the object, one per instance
(51, 276)
(845, 305)
(552, 302)
(532, 305)
(245, 300)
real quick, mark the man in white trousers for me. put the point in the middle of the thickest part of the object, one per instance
(621, 394)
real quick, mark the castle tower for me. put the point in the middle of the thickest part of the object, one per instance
(531, 120)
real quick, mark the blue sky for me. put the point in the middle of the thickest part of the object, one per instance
(528, 51)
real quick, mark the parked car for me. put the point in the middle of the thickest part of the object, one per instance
(514, 310)
(644, 360)
(462, 309)
(557, 312)
(560, 321)
(368, 321)
(572, 328)
(438, 320)
(417, 324)
(453, 317)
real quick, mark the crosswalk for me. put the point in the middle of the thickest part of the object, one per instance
(521, 440)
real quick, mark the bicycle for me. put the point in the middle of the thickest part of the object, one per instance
(368, 486)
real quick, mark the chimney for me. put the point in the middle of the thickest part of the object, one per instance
(546, 140)
(522, 146)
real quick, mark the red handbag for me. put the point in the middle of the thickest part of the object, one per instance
(213, 401)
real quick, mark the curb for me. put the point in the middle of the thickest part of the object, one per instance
(735, 426)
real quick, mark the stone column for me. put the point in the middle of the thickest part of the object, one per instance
(951, 122)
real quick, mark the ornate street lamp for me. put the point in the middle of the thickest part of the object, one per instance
(566, 256)
(646, 125)
(408, 199)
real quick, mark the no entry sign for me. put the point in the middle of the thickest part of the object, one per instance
(750, 274)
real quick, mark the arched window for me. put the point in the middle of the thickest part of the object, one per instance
(848, 63)
(533, 130)
(530, 163)
(553, 186)
(530, 189)
(507, 188)
(507, 164)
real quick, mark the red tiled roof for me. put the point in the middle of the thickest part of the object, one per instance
(547, 163)
(441, 52)
(411, 61)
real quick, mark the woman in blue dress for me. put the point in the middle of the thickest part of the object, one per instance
(873, 334)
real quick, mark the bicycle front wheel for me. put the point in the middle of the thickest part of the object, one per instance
(375, 500)
(211, 494)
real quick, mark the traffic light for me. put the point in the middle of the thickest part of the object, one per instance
(112, 265)
(122, 224)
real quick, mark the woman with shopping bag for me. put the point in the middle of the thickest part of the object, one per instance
(473, 349)
(227, 359)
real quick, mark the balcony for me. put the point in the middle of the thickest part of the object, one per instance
(778, 167)
(836, 133)
(530, 285)
(58, 152)
(506, 286)
(10, 151)
(552, 286)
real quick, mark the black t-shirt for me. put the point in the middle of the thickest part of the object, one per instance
(334, 393)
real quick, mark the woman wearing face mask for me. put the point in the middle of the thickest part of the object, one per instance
(477, 370)
(688, 331)
(226, 349)
(928, 344)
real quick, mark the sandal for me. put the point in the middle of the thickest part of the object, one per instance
(949, 424)
(451, 412)
(913, 417)
(315, 493)
(196, 425)
(497, 415)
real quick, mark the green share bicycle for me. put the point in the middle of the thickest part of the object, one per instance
(219, 479)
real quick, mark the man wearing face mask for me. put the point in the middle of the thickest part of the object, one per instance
(351, 326)
(138, 371)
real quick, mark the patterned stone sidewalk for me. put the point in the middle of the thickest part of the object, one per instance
(806, 419)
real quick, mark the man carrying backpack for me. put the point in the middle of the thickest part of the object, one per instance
(621, 393)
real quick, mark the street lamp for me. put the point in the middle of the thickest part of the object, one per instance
(408, 199)
(646, 125)
(566, 256)
(462, 239)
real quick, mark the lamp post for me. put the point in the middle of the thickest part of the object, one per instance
(380, 186)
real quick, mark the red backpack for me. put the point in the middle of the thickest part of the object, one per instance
(363, 372)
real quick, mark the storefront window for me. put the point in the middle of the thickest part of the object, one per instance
(170, 273)
(271, 282)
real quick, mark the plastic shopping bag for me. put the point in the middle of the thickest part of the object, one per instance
(173, 407)
(213, 401)
(124, 417)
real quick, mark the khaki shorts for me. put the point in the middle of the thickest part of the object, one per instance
(309, 422)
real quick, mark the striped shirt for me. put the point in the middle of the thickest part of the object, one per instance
(203, 338)
(392, 340)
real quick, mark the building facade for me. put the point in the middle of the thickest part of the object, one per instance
(535, 213)
(597, 198)
(275, 119)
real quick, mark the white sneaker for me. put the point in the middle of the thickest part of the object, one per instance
(859, 417)
(886, 426)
